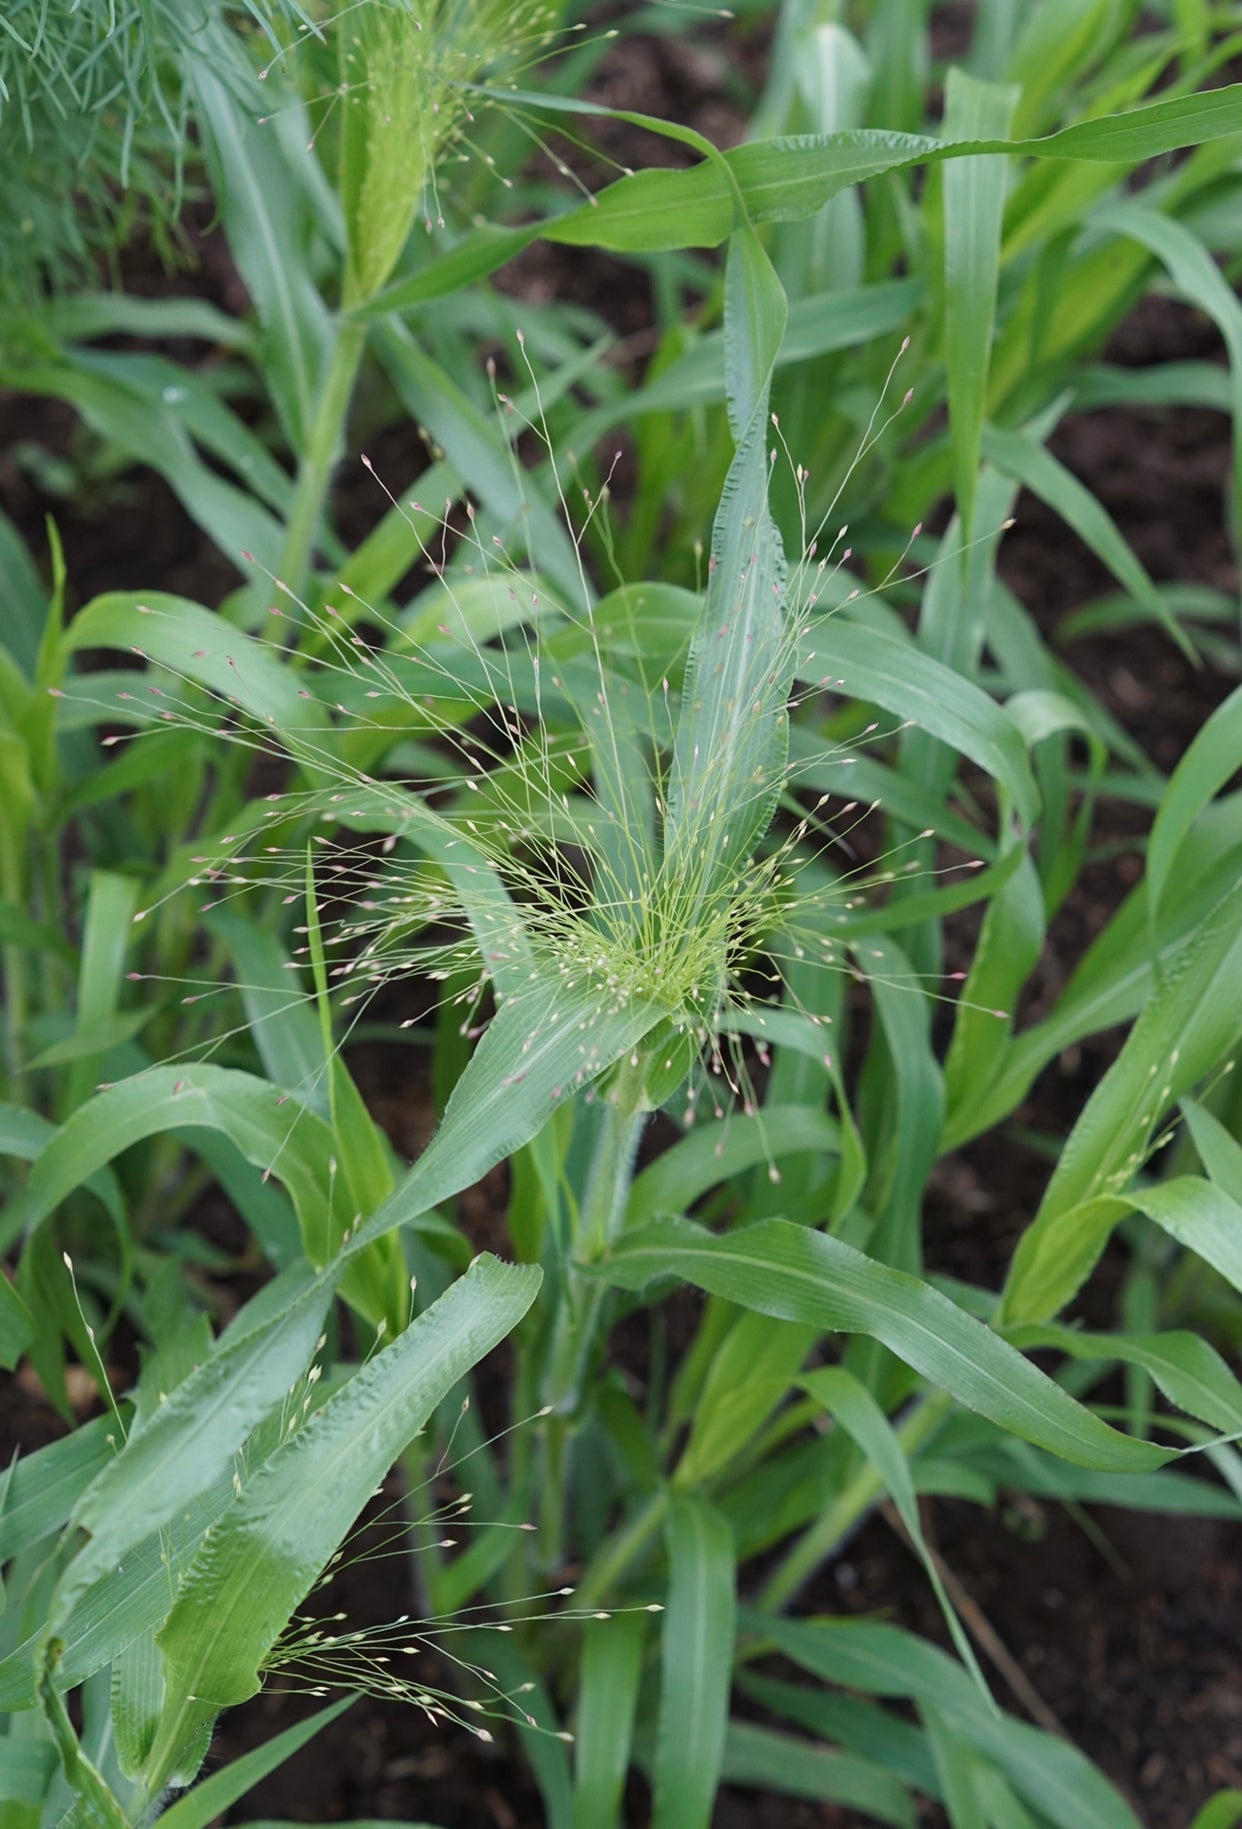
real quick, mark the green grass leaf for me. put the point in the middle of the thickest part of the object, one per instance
(1197, 277)
(193, 644)
(1029, 463)
(1213, 758)
(730, 743)
(261, 1559)
(1189, 1371)
(1056, 1254)
(1219, 1151)
(377, 1281)
(545, 1043)
(154, 759)
(248, 1110)
(789, 180)
(851, 1404)
(478, 452)
(151, 433)
(26, 1769)
(782, 1269)
(1201, 1216)
(179, 397)
(42, 1488)
(282, 1025)
(607, 1697)
(882, 670)
(713, 1153)
(1051, 1775)
(956, 1767)
(748, 1378)
(111, 902)
(696, 1664)
(1220, 1812)
(16, 1325)
(128, 1602)
(95, 1805)
(902, 1103)
(896, 1746)
(1116, 978)
(974, 199)
(22, 599)
(261, 213)
(201, 1806)
(190, 1440)
(1189, 1025)
(82, 317)
(137, 1693)
(18, 929)
(768, 1761)
(1009, 945)
(815, 326)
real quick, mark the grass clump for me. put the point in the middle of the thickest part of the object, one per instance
(568, 828)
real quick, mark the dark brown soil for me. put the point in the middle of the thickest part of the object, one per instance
(1131, 1641)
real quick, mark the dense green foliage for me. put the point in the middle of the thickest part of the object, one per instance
(560, 787)
(94, 122)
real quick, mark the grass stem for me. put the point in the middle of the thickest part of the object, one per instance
(608, 1190)
(619, 1552)
(818, 1543)
(323, 443)
(12, 890)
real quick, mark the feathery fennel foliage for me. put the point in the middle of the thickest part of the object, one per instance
(95, 122)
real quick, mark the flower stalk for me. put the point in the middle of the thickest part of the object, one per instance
(324, 443)
(623, 1117)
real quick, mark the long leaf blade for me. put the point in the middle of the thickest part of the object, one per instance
(697, 1664)
(261, 1559)
(782, 1269)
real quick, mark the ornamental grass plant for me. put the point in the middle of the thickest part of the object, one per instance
(639, 779)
